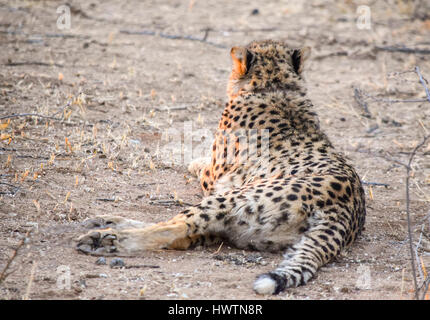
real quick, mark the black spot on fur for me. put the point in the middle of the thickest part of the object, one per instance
(336, 186)
(292, 197)
(204, 216)
(220, 216)
(277, 199)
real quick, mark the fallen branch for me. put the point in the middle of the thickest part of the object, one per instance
(33, 63)
(20, 115)
(11, 193)
(3, 274)
(26, 156)
(46, 35)
(375, 184)
(169, 203)
(331, 54)
(391, 100)
(174, 36)
(142, 266)
(403, 49)
(106, 199)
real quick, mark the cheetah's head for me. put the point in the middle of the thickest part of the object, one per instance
(266, 65)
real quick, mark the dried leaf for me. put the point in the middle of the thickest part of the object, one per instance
(37, 205)
(67, 197)
(3, 126)
(5, 136)
(24, 175)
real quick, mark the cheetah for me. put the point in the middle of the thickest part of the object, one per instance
(274, 181)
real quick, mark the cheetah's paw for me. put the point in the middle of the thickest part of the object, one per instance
(100, 243)
(196, 166)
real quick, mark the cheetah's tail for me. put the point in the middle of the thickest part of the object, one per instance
(288, 274)
(305, 257)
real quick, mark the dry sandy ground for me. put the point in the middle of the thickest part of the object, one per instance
(119, 81)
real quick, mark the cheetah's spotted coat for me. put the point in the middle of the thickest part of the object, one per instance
(292, 192)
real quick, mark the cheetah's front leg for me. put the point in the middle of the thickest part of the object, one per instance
(180, 232)
(110, 221)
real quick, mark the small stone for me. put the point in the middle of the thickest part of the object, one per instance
(134, 141)
(117, 263)
(103, 275)
(255, 12)
(101, 261)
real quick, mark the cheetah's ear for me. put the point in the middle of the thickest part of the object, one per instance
(298, 57)
(242, 60)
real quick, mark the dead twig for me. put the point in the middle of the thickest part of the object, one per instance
(62, 109)
(392, 100)
(408, 175)
(358, 96)
(368, 183)
(331, 54)
(426, 287)
(106, 199)
(169, 203)
(45, 35)
(30, 282)
(403, 49)
(248, 30)
(3, 274)
(32, 63)
(408, 167)
(175, 36)
(142, 266)
(11, 193)
(423, 83)
(21, 115)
